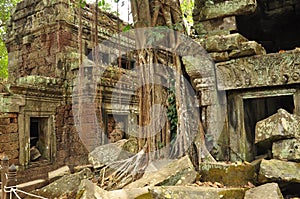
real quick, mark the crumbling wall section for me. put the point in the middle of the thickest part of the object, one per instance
(9, 137)
(243, 71)
(45, 43)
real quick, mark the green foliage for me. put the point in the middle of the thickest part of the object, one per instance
(187, 7)
(3, 60)
(5, 10)
(127, 28)
(172, 111)
(157, 35)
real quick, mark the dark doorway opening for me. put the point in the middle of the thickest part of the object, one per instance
(275, 24)
(39, 139)
(260, 108)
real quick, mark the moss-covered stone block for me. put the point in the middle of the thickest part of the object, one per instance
(179, 192)
(288, 149)
(279, 171)
(237, 174)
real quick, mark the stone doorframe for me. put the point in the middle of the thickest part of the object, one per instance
(239, 146)
(24, 135)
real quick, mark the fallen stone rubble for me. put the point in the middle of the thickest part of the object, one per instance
(165, 179)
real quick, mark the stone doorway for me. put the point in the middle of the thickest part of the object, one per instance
(257, 109)
(246, 108)
(39, 139)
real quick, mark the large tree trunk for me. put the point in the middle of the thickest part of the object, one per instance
(150, 13)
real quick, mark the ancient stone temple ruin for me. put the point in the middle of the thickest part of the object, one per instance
(254, 44)
(37, 124)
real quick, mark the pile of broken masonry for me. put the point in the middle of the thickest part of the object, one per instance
(275, 178)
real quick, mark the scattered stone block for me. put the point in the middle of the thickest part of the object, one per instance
(247, 49)
(66, 185)
(219, 43)
(168, 173)
(226, 8)
(168, 192)
(136, 193)
(288, 149)
(32, 185)
(281, 125)
(58, 173)
(89, 190)
(266, 191)
(237, 174)
(105, 154)
(216, 26)
(219, 56)
(279, 171)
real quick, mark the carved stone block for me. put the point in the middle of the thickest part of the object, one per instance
(287, 149)
(278, 126)
(226, 8)
(261, 70)
(219, 43)
(247, 49)
(216, 25)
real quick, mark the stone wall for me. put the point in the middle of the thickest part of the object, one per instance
(42, 35)
(44, 50)
(244, 71)
(9, 137)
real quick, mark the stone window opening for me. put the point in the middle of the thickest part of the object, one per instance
(39, 139)
(257, 109)
(116, 128)
(124, 62)
(105, 57)
(275, 25)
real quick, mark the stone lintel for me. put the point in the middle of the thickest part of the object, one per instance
(259, 71)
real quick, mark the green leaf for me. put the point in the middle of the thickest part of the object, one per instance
(127, 28)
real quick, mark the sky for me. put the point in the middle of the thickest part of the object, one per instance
(123, 5)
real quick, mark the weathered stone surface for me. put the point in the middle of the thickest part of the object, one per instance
(58, 173)
(219, 43)
(136, 193)
(247, 49)
(131, 145)
(108, 153)
(266, 191)
(89, 190)
(288, 149)
(67, 185)
(260, 70)
(216, 26)
(228, 174)
(178, 192)
(219, 56)
(281, 125)
(279, 171)
(225, 8)
(169, 173)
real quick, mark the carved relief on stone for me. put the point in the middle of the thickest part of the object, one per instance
(257, 71)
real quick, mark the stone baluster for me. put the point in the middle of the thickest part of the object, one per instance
(4, 170)
(11, 180)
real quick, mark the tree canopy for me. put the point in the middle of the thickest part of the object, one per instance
(5, 10)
